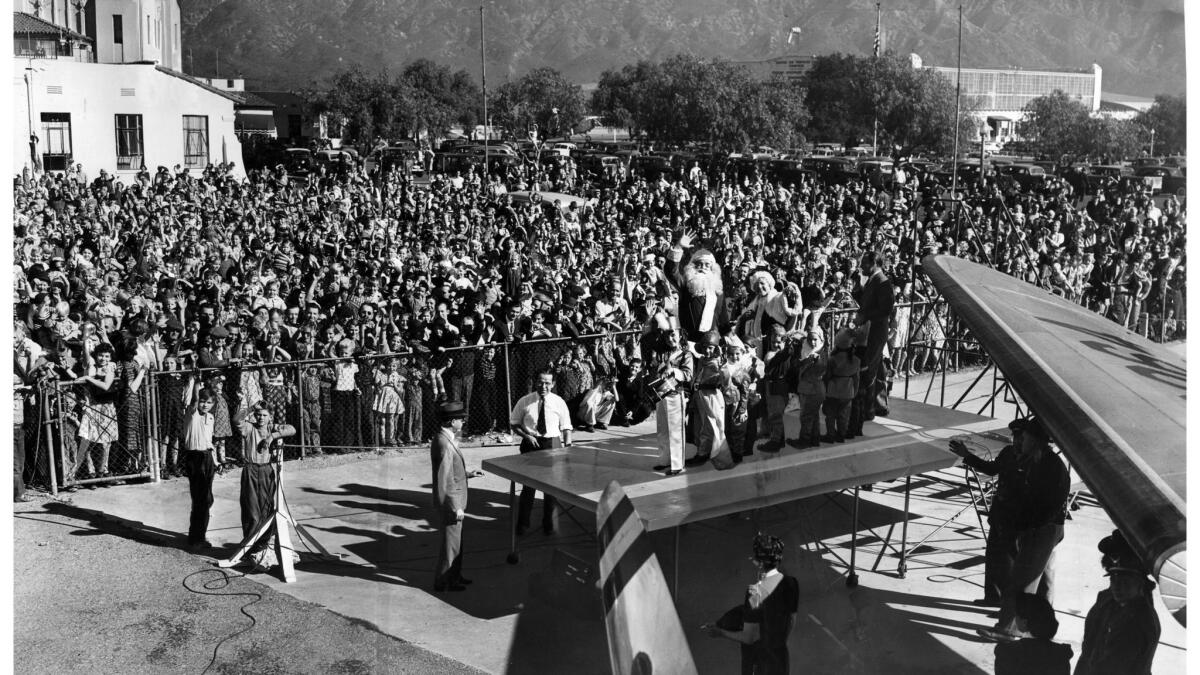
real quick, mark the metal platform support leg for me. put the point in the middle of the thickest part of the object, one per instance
(675, 565)
(513, 556)
(852, 577)
(902, 568)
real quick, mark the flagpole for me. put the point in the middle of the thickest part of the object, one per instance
(483, 82)
(957, 113)
(875, 121)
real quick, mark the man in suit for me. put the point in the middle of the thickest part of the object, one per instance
(449, 496)
(876, 299)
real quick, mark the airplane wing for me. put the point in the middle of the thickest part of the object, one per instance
(1114, 401)
(644, 633)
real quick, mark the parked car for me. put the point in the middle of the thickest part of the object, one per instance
(393, 158)
(1103, 175)
(877, 171)
(337, 156)
(789, 171)
(1025, 176)
(1160, 179)
(299, 162)
(651, 167)
(599, 163)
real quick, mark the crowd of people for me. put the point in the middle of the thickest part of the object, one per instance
(345, 296)
(357, 310)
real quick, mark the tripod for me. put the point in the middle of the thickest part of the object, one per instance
(277, 524)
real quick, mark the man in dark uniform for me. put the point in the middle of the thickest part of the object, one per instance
(1001, 540)
(1038, 525)
(1122, 629)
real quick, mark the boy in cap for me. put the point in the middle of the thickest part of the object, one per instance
(1122, 629)
(810, 387)
(841, 385)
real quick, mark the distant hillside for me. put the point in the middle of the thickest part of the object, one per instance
(296, 43)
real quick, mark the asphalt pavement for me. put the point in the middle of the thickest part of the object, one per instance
(91, 596)
(104, 584)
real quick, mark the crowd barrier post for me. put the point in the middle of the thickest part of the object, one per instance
(55, 438)
(507, 384)
(154, 456)
(302, 427)
(48, 426)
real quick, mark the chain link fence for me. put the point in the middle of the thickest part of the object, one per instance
(375, 401)
(75, 436)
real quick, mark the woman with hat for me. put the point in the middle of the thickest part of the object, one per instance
(767, 615)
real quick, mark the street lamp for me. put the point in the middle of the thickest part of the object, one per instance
(1151, 141)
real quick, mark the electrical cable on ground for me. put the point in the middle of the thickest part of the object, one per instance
(216, 584)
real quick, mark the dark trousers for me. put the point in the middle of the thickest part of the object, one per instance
(461, 387)
(200, 468)
(1034, 554)
(998, 560)
(837, 417)
(873, 389)
(18, 461)
(525, 509)
(259, 483)
(449, 564)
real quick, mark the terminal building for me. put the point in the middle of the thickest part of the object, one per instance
(1001, 94)
(100, 83)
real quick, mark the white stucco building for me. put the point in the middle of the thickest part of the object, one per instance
(99, 82)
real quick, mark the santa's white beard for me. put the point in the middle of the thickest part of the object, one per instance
(700, 284)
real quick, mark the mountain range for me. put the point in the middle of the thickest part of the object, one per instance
(291, 44)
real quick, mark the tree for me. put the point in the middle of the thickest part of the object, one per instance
(438, 98)
(543, 97)
(367, 105)
(1168, 118)
(914, 107)
(1112, 139)
(1057, 123)
(687, 99)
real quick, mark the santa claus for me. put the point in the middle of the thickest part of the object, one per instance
(702, 308)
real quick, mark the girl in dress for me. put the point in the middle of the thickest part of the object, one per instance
(387, 402)
(344, 417)
(274, 388)
(98, 413)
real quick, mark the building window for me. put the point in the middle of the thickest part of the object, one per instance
(56, 133)
(129, 142)
(118, 29)
(195, 141)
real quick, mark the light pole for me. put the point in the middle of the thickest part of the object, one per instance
(1151, 141)
(483, 82)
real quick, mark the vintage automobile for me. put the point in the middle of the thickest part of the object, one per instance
(1025, 176)
(1159, 179)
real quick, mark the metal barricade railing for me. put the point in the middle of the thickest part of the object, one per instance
(342, 405)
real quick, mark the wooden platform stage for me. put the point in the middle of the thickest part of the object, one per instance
(912, 440)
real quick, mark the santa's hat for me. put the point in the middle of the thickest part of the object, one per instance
(704, 253)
